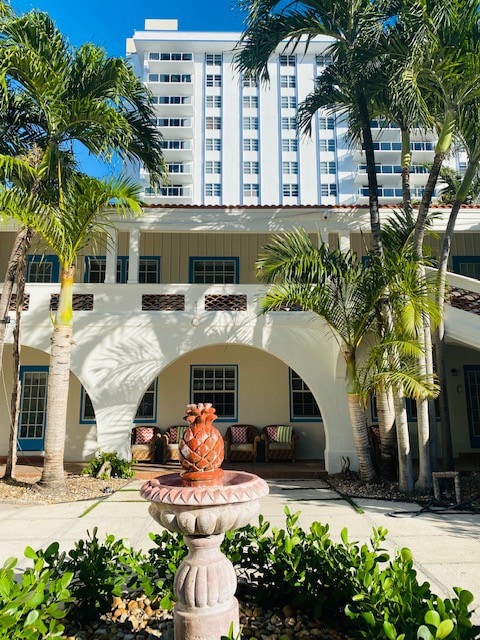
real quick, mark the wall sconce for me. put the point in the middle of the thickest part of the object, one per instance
(454, 372)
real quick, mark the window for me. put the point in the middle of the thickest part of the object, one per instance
(43, 268)
(214, 270)
(214, 80)
(289, 82)
(148, 269)
(175, 144)
(303, 405)
(251, 167)
(169, 77)
(172, 122)
(213, 59)
(213, 166)
(287, 61)
(33, 403)
(326, 123)
(171, 100)
(328, 167)
(214, 101)
(467, 266)
(213, 144)
(249, 82)
(250, 102)
(472, 387)
(251, 190)
(323, 60)
(288, 102)
(250, 144)
(290, 190)
(213, 189)
(178, 167)
(213, 122)
(170, 56)
(289, 123)
(328, 189)
(250, 123)
(289, 167)
(216, 384)
(146, 412)
(327, 144)
(290, 144)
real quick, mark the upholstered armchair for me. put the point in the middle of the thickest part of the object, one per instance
(241, 442)
(170, 441)
(144, 442)
(280, 442)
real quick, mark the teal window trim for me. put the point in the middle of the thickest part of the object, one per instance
(233, 418)
(305, 390)
(136, 420)
(234, 259)
(47, 258)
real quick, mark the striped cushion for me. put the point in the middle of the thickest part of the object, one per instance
(280, 433)
(143, 435)
(175, 434)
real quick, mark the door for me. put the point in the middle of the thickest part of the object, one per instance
(472, 386)
(33, 405)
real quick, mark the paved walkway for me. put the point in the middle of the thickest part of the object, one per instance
(446, 547)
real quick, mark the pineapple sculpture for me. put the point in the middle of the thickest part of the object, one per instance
(201, 448)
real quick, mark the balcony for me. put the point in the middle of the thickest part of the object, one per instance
(390, 194)
(166, 83)
(173, 105)
(391, 173)
(175, 127)
(177, 61)
(174, 194)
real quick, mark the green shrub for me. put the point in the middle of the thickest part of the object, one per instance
(32, 608)
(119, 468)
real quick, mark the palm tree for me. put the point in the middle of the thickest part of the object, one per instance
(462, 190)
(82, 216)
(334, 286)
(69, 95)
(357, 29)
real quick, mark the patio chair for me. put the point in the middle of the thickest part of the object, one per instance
(241, 442)
(280, 441)
(144, 441)
(170, 441)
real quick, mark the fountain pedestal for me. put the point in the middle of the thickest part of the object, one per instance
(205, 582)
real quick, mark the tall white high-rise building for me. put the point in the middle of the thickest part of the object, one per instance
(229, 141)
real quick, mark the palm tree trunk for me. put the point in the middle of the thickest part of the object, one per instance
(424, 480)
(358, 422)
(388, 438)
(377, 245)
(11, 462)
(446, 434)
(405, 467)
(17, 257)
(442, 148)
(406, 160)
(58, 384)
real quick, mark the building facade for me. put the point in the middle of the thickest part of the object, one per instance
(229, 141)
(167, 313)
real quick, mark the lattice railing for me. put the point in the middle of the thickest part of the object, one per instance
(222, 302)
(80, 302)
(13, 302)
(465, 300)
(286, 307)
(163, 302)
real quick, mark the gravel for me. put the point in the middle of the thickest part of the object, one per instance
(28, 491)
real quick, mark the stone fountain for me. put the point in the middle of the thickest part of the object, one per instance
(203, 502)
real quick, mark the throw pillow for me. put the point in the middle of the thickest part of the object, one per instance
(284, 433)
(239, 435)
(143, 435)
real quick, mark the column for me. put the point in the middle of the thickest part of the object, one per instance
(343, 241)
(111, 258)
(133, 256)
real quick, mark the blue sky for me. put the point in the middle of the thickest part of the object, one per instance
(109, 22)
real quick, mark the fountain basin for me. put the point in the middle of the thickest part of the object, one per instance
(204, 511)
